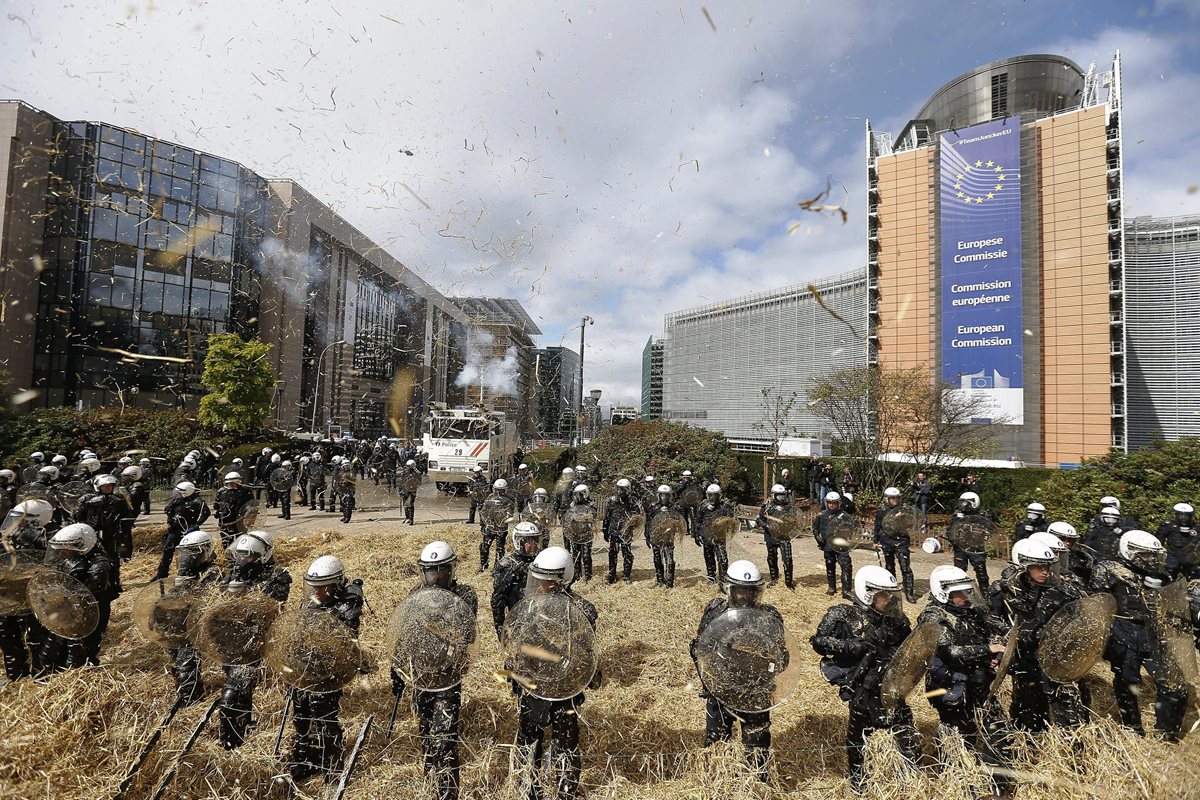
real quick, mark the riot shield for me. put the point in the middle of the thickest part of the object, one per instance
(494, 513)
(551, 646)
(63, 605)
(562, 487)
(579, 524)
(36, 491)
(232, 630)
(282, 479)
(1010, 652)
(909, 664)
(431, 635)
(17, 568)
(666, 528)
(719, 525)
(68, 495)
(1172, 641)
(747, 660)
(846, 533)
(165, 612)
(1071, 642)
(30, 473)
(691, 496)
(970, 533)
(523, 490)
(899, 521)
(784, 522)
(410, 483)
(477, 493)
(314, 651)
(247, 514)
(343, 480)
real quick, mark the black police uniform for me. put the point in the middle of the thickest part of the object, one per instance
(22, 637)
(105, 513)
(963, 556)
(581, 553)
(227, 504)
(895, 548)
(183, 514)
(1026, 527)
(620, 508)
(497, 535)
(409, 496)
(185, 662)
(1183, 548)
(476, 487)
(716, 554)
(777, 548)
(664, 555)
(95, 571)
(822, 525)
(857, 645)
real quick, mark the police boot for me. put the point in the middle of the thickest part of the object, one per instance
(773, 567)
(830, 581)
(787, 576)
(908, 588)
(847, 585)
(612, 566)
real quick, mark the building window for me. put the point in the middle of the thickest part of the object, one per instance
(1000, 95)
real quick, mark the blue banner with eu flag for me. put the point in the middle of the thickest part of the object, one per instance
(980, 233)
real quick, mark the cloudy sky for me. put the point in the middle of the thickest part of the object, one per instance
(620, 159)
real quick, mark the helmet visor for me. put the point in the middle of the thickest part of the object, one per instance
(438, 575)
(190, 558)
(741, 596)
(888, 602)
(963, 594)
(1149, 560)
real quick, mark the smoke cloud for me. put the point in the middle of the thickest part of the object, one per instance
(497, 375)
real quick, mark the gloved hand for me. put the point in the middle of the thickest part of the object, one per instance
(397, 684)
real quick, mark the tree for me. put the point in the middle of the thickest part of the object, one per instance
(875, 412)
(777, 410)
(240, 383)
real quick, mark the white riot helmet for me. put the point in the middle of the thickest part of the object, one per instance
(193, 454)
(580, 468)
(276, 458)
(232, 477)
(476, 468)
(778, 490)
(133, 473)
(266, 451)
(91, 464)
(124, 461)
(947, 579)
(713, 488)
(268, 542)
(410, 463)
(1184, 513)
(317, 456)
(7, 476)
(1109, 501)
(325, 571)
(969, 500)
(522, 467)
(648, 480)
(35, 513)
(250, 550)
(665, 489)
(59, 461)
(567, 472)
(194, 551)
(1063, 530)
(104, 480)
(1029, 553)
(540, 492)
(500, 484)
(286, 464)
(143, 462)
(1109, 515)
(932, 545)
(890, 492)
(870, 581)
(582, 490)
(237, 462)
(437, 562)
(185, 488)
(188, 462)
(37, 456)
(745, 584)
(1035, 511)
(304, 459)
(553, 565)
(1141, 549)
(78, 536)
(687, 473)
(1048, 539)
(849, 498)
(523, 532)
(833, 497)
(48, 474)
(624, 483)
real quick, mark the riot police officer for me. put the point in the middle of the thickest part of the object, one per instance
(969, 513)
(1104, 534)
(27, 529)
(508, 582)
(196, 563)
(857, 641)
(822, 528)
(264, 477)
(664, 554)
(317, 483)
(563, 491)
(779, 505)
(581, 498)
(438, 711)
(522, 486)
(8, 487)
(228, 504)
(1034, 521)
(185, 511)
(409, 477)
(317, 745)
(74, 550)
(495, 533)
(146, 481)
(1133, 580)
(621, 508)
(1182, 540)
(895, 546)
(1028, 598)
(252, 570)
(104, 511)
(283, 487)
(552, 572)
(716, 554)
(745, 585)
(476, 489)
(689, 512)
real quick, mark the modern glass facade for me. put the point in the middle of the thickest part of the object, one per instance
(558, 392)
(1162, 326)
(652, 379)
(718, 358)
(148, 249)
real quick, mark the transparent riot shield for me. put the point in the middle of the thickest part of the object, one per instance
(495, 513)
(551, 646)
(720, 525)
(165, 612)
(1073, 640)
(784, 522)
(899, 521)
(579, 524)
(282, 479)
(666, 528)
(1010, 652)
(233, 629)
(748, 660)
(63, 605)
(314, 651)
(343, 480)
(1172, 642)
(68, 495)
(845, 533)
(36, 491)
(17, 568)
(909, 664)
(971, 533)
(523, 490)
(247, 515)
(432, 635)
(409, 484)
(631, 526)
(691, 496)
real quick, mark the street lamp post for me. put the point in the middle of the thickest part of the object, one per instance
(312, 428)
(583, 323)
